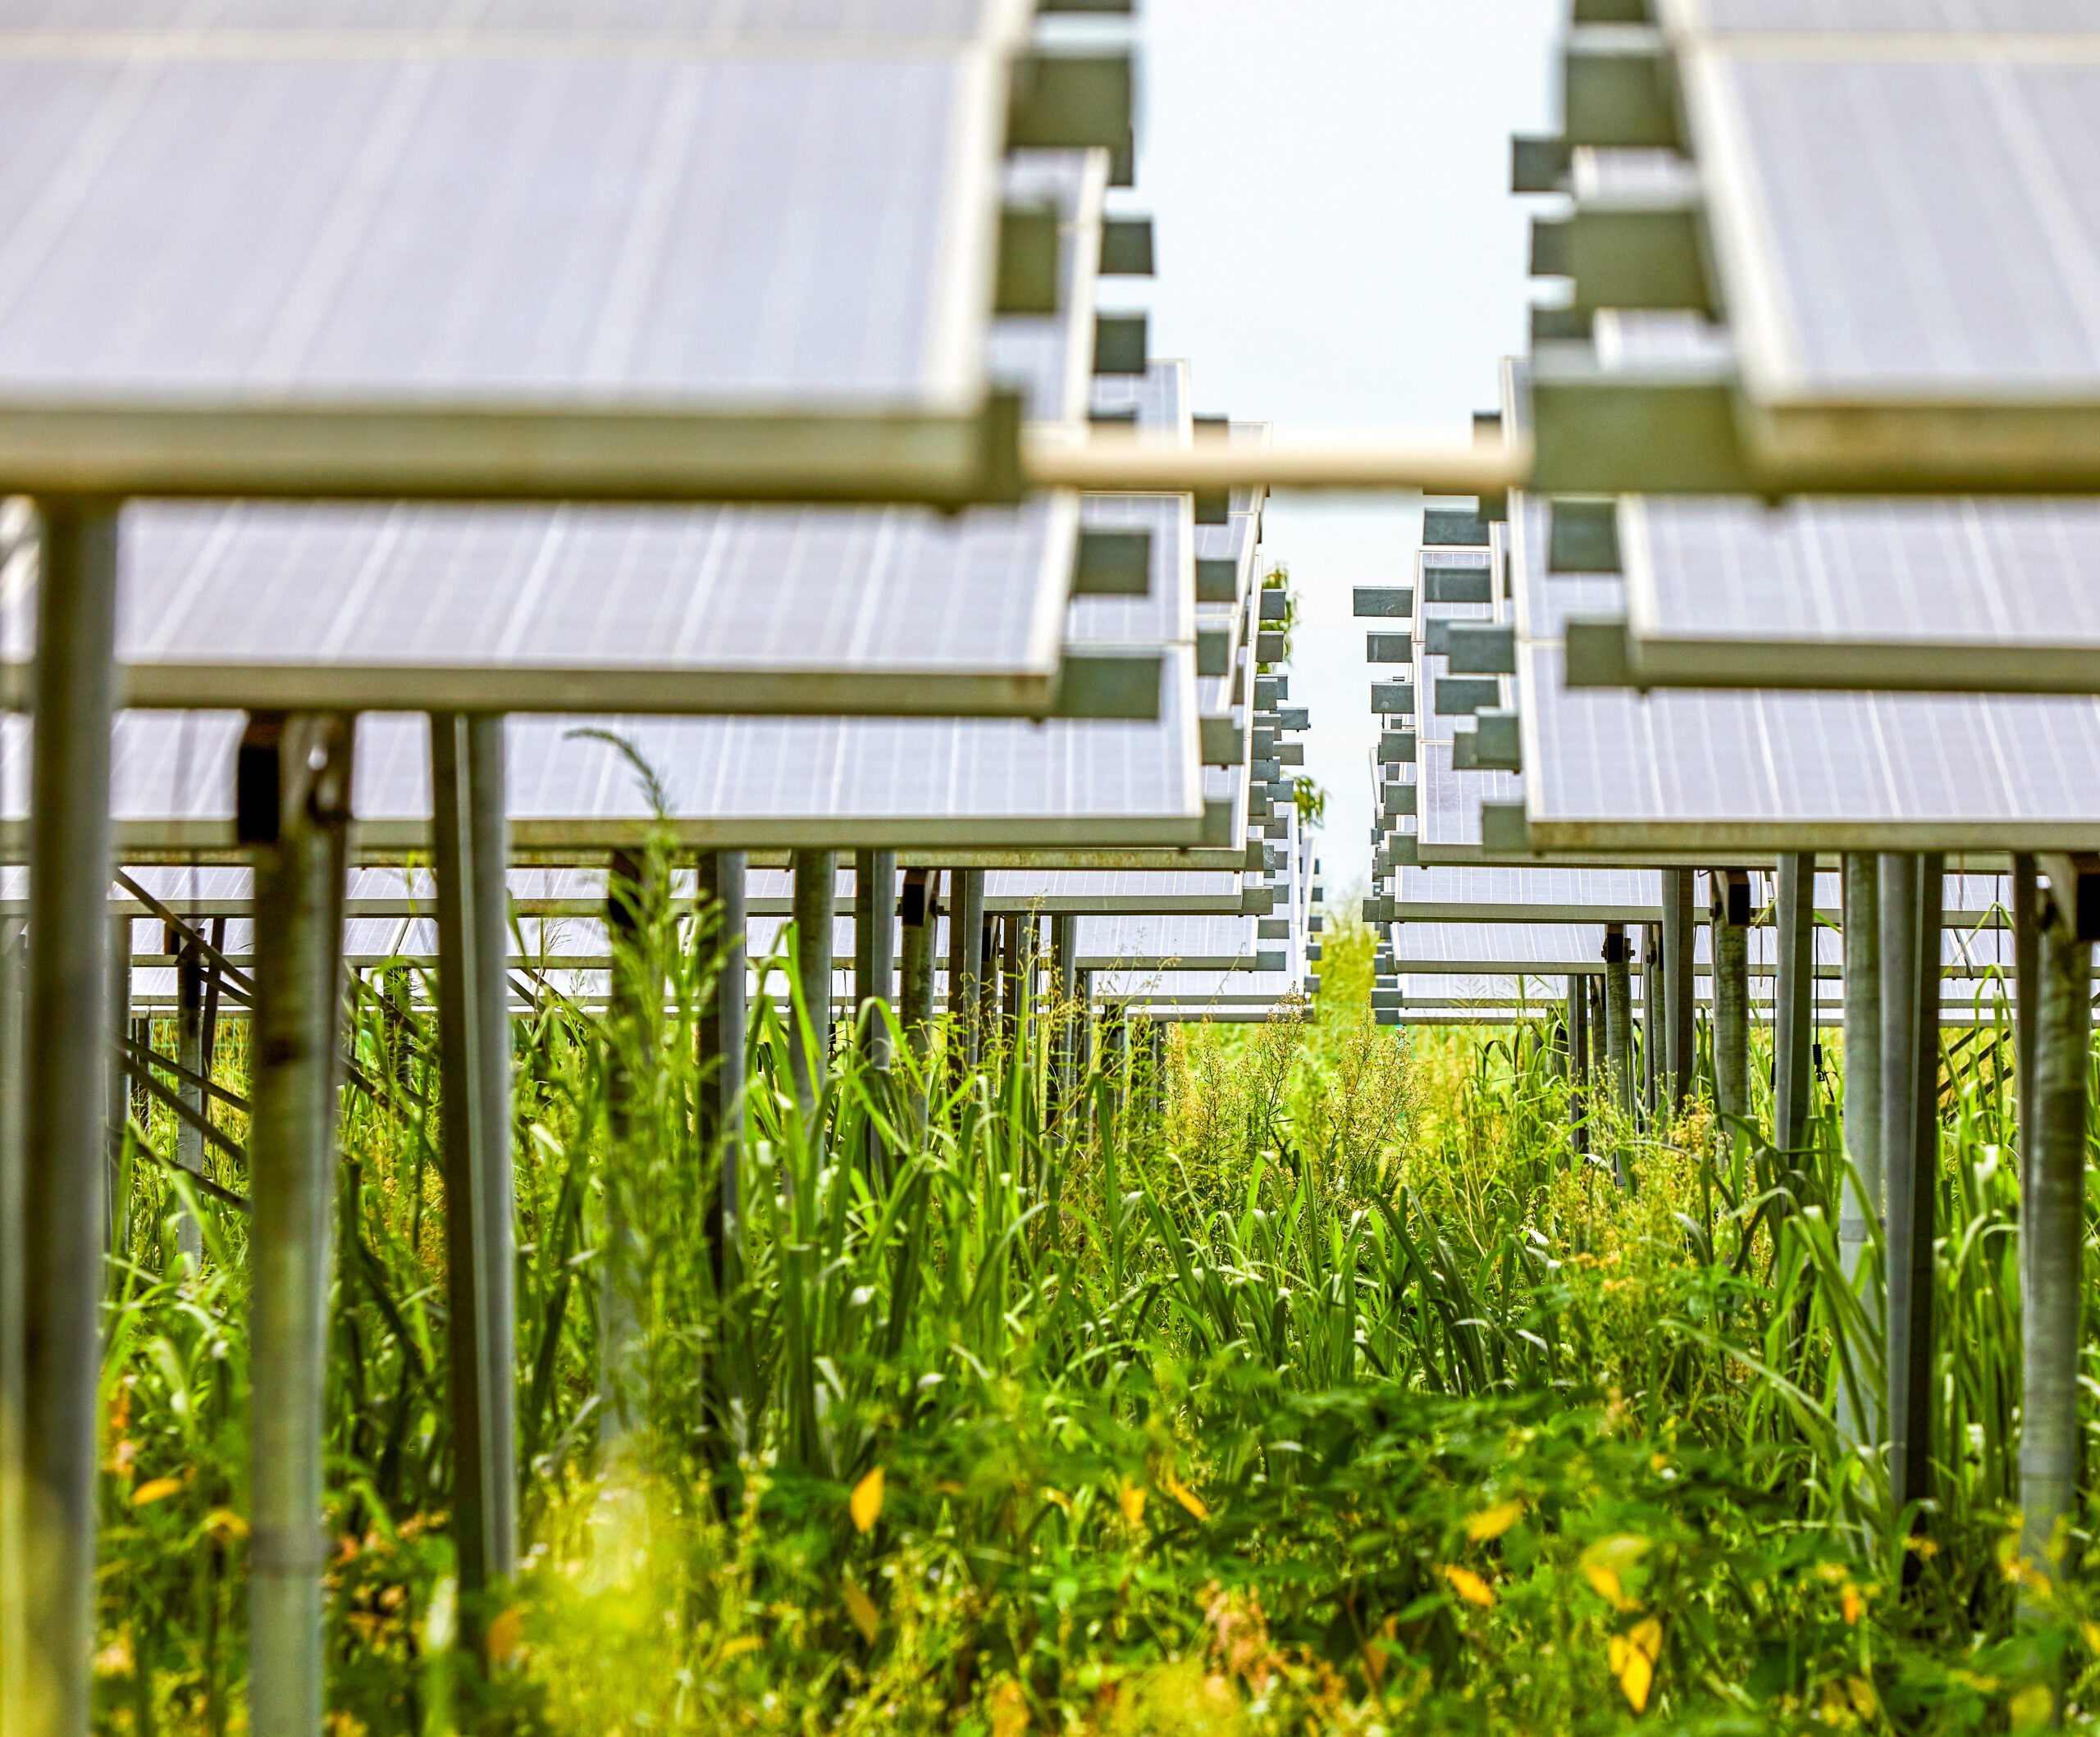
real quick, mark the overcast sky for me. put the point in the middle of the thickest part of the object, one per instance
(1337, 245)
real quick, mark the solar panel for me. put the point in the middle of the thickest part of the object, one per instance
(1960, 594)
(1517, 894)
(717, 609)
(285, 253)
(749, 781)
(1607, 769)
(1128, 943)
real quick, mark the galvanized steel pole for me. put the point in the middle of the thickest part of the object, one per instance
(809, 1030)
(1680, 1000)
(189, 1057)
(966, 985)
(1618, 1015)
(1730, 911)
(722, 1021)
(875, 910)
(14, 1632)
(66, 1042)
(296, 1057)
(2052, 1236)
(2026, 989)
(633, 998)
(472, 854)
(116, 1089)
(1794, 1007)
(1860, 1196)
(1578, 1055)
(1653, 1020)
(918, 916)
(1910, 895)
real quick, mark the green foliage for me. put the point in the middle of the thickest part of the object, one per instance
(1318, 1380)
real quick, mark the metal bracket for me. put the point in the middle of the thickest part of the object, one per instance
(1384, 602)
(1481, 648)
(1027, 280)
(1112, 563)
(1583, 537)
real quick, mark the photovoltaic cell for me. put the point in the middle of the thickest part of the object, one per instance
(1991, 595)
(743, 781)
(1903, 227)
(262, 248)
(1608, 768)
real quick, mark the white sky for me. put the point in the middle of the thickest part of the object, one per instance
(1337, 245)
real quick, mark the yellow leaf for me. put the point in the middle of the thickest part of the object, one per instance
(223, 1523)
(2091, 1632)
(1607, 1587)
(1132, 1498)
(2032, 1707)
(1493, 1522)
(866, 1501)
(1634, 1655)
(1853, 1603)
(861, 1608)
(153, 1489)
(1468, 1585)
(1862, 1697)
(502, 1639)
(739, 1647)
(1183, 1494)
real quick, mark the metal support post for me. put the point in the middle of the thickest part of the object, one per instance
(918, 916)
(1618, 1015)
(189, 1057)
(2051, 1232)
(989, 953)
(965, 967)
(66, 1044)
(116, 1090)
(809, 1029)
(294, 782)
(634, 1004)
(722, 1021)
(13, 1612)
(1680, 996)
(1731, 922)
(1014, 959)
(1084, 1016)
(1861, 1191)
(1578, 1057)
(874, 945)
(1064, 967)
(1910, 897)
(1652, 1021)
(2026, 991)
(471, 853)
(1862, 1205)
(1793, 1035)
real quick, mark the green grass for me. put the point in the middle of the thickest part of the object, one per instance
(1318, 1381)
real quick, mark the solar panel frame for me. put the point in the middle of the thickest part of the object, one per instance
(886, 611)
(150, 345)
(1915, 169)
(1952, 595)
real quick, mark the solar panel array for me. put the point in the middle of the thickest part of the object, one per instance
(1886, 200)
